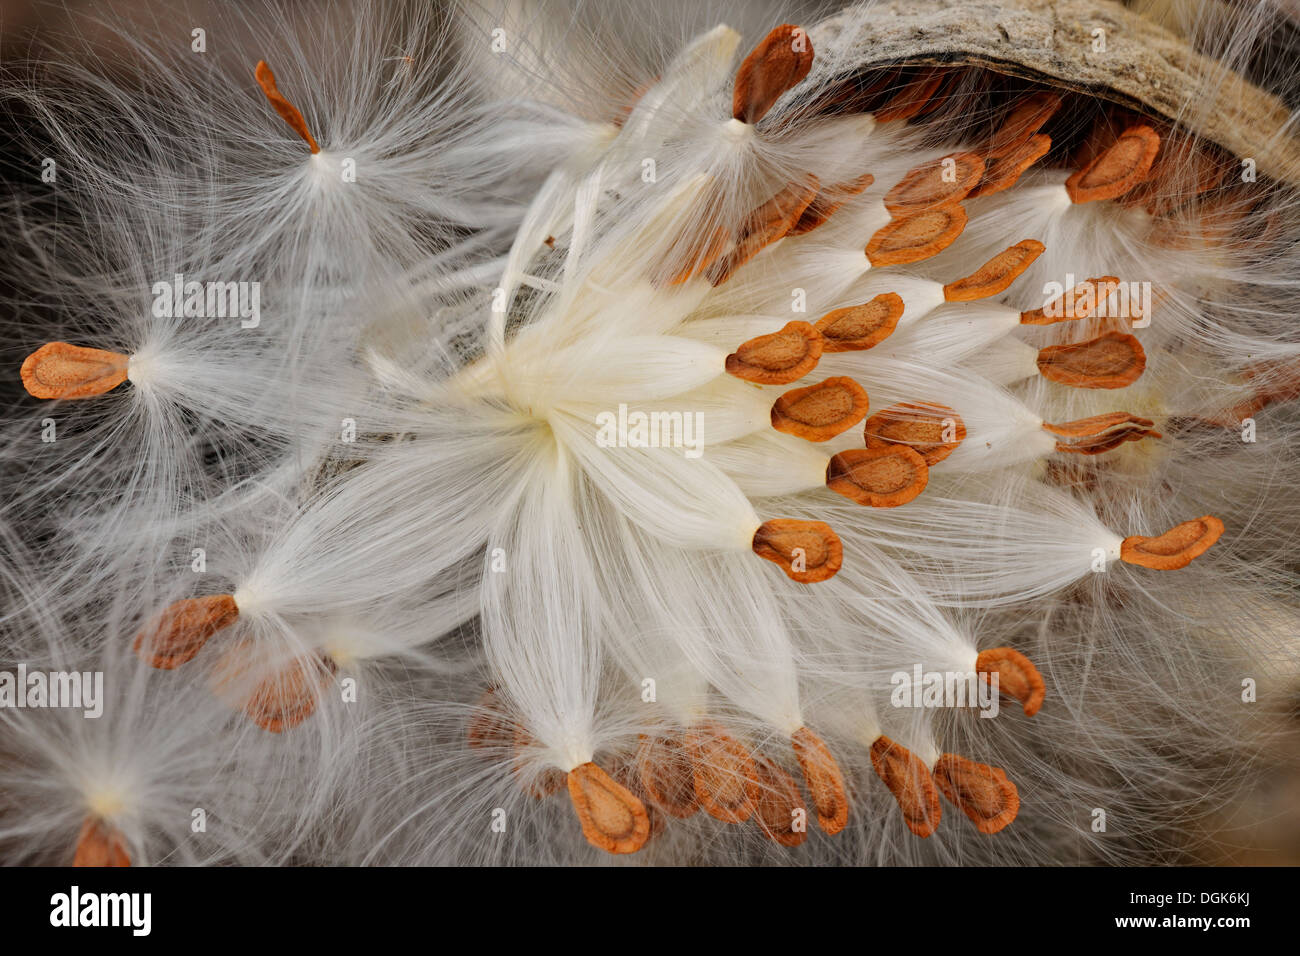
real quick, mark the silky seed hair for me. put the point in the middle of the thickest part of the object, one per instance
(648, 420)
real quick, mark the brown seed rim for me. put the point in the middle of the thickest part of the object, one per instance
(1101, 433)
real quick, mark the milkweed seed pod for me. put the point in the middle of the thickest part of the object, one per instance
(655, 441)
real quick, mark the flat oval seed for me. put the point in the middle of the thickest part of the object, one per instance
(612, 818)
(695, 255)
(722, 770)
(288, 697)
(1124, 164)
(780, 61)
(1025, 119)
(912, 98)
(808, 551)
(764, 226)
(825, 781)
(822, 411)
(936, 183)
(1176, 548)
(777, 803)
(916, 238)
(827, 202)
(1017, 676)
(878, 477)
(1005, 171)
(288, 112)
(625, 774)
(981, 792)
(99, 844)
(1100, 433)
(861, 326)
(490, 726)
(1077, 303)
(909, 780)
(779, 358)
(996, 275)
(60, 370)
(181, 630)
(667, 774)
(1113, 360)
(1095, 425)
(932, 431)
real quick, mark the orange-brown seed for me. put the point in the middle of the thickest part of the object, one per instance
(778, 358)
(1113, 360)
(778, 806)
(996, 275)
(1123, 165)
(60, 370)
(612, 818)
(1176, 548)
(808, 551)
(780, 62)
(933, 431)
(181, 630)
(909, 780)
(722, 769)
(1017, 676)
(100, 844)
(860, 327)
(915, 238)
(825, 781)
(288, 112)
(822, 411)
(983, 793)
(935, 183)
(878, 477)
